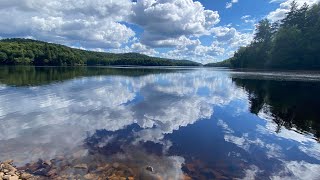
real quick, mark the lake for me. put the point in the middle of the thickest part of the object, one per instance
(160, 123)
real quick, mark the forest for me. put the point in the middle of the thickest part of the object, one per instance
(17, 51)
(292, 43)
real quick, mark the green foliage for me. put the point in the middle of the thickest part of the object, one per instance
(3, 57)
(264, 32)
(293, 43)
(31, 52)
(225, 63)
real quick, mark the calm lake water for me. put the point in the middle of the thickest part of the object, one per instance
(185, 123)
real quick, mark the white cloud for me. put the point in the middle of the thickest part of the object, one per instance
(290, 169)
(231, 36)
(166, 21)
(230, 4)
(197, 52)
(248, 19)
(245, 16)
(276, 1)
(88, 23)
(312, 150)
(141, 48)
(298, 170)
(251, 172)
(226, 41)
(280, 12)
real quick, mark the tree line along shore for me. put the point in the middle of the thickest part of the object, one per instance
(18, 51)
(292, 43)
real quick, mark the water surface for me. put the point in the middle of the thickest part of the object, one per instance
(198, 123)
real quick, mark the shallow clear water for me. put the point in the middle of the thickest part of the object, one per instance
(199, 123)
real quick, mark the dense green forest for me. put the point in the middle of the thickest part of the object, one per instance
(18, 51)
(292, 43)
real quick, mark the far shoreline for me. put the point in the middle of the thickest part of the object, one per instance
(170, 67)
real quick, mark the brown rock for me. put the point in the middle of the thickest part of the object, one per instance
(79, 154)
(1, 175)
(103, 167)
(109, 171)
(5, 170)
(115, 165)
(90, 176)
(9, 167)
(52, 172)
(14, 177)
(81, 166)
(59, 158)
(25, 176)
(47, 163)
(6, 177)
(10, 161)
(12, 173)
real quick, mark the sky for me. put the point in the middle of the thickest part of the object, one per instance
(203, 31)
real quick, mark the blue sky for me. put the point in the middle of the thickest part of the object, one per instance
(203, 31)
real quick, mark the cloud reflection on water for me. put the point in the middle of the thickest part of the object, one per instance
(51, 120)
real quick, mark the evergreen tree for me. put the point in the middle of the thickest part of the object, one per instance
(292, 43)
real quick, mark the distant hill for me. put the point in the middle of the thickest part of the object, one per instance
(290, 44)
(225, 63)
(16, 51)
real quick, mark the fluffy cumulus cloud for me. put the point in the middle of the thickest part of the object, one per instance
(164, 21)
(89, 23)
(230, 39)
(199, 53)
(280, 12)
(230, 36)
(141, 48)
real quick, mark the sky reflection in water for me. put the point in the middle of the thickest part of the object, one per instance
(200, 122)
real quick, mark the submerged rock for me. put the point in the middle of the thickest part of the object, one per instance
(9, 172)
(81, 166)
(115, 165)
(14, 177)
(90, 176)
(25, 176)
(47, 163)
(149, 168)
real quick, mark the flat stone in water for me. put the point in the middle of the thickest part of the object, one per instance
(81, 166)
